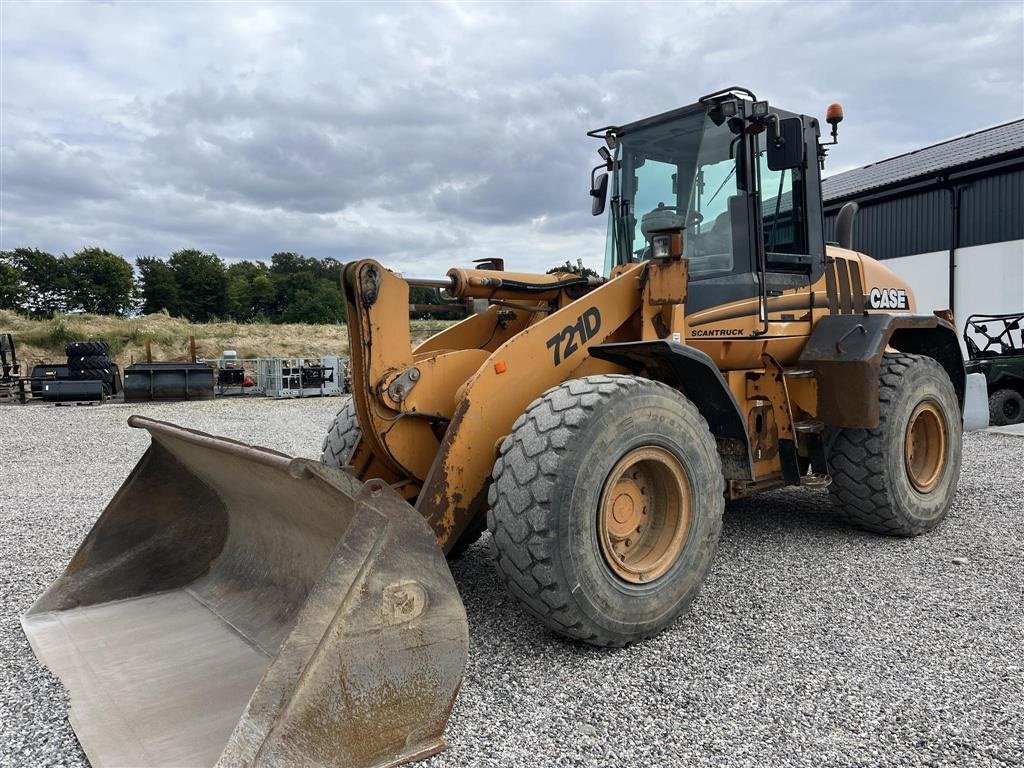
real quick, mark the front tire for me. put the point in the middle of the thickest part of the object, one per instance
(606, 508)
(342, 437)
(900, 477)
(340, 441)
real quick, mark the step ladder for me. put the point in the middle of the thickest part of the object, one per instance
(809, 435)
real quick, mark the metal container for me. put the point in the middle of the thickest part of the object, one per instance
(168, 381)
(72, 391)
(47, 372)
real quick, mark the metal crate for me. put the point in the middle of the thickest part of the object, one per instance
(285, 377)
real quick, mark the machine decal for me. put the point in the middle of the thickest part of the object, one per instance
(563, 343)
(888, 298)
(698, 332)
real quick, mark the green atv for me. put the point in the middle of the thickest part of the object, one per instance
(995, 347)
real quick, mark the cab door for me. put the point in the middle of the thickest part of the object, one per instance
(793, 250)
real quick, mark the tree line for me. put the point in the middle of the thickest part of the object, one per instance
(189, 283)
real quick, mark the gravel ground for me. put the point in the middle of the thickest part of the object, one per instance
(811, 644)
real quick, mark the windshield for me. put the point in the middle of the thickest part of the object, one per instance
(683, 171)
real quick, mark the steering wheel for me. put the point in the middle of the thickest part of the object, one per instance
(696, 217)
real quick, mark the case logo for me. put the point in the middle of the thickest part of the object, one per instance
(888, 298)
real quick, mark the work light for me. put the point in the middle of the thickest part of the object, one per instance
(667, 245)
(660, 246)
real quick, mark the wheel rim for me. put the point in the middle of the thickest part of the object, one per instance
(1011, 409)
(925, 446)
(644, 514)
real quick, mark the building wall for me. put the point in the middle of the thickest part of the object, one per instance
(917, 222)
(927, 274)
(992, 209)
(910, 232)
(989, 279)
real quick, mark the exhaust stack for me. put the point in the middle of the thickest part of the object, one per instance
(844, 225)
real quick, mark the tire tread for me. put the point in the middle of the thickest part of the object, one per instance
(523, 542)
(858, 459)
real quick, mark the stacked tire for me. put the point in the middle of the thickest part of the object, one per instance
(90, 361)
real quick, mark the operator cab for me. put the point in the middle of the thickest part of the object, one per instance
(736, 182)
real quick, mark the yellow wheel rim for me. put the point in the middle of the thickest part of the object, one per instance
(924, 450)
(644, 514)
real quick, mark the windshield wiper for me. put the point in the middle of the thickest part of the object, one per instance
(724, 182)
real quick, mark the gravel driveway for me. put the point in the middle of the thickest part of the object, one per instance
(812, 644)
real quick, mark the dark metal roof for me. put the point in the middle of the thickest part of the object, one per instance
(966, 150)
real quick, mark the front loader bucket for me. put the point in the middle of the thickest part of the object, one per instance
(233, 606)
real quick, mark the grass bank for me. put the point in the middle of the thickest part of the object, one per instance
(43, 340)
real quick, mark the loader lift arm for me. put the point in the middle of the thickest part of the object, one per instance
(432, 418)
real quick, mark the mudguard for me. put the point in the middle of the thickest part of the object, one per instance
(845, 353)
(697, 376)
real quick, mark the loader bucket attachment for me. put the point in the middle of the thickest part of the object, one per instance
(233, 606)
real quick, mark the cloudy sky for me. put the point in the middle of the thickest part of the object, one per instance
(427, 135)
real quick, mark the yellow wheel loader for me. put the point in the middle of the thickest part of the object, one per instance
(237, 607)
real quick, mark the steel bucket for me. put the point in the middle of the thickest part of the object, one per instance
(234, 606)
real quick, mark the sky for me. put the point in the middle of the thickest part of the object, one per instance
(429, 135)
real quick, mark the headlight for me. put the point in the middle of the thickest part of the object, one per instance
(661, 246)
(666, 245)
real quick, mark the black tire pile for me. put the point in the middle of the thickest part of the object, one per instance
(90, 361)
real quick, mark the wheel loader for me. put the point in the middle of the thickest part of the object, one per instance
(235, 606)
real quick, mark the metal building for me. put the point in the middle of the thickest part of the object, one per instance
(948, 218)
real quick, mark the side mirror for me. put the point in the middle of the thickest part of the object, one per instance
(598, 191)
(785, 144)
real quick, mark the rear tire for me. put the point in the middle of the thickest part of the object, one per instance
(555, 504)
(342, 438)
(1005, 406)
(900, 478)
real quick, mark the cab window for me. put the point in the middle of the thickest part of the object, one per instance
(783, 217)
(708, 244)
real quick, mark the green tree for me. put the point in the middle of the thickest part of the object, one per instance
(157, 286)
(44, 280)
(11, 286)
(318, 304)
(202, 284)
(288, 263)
(420, 295)
(263, 293)
(306, 290)
(99, 281)
(250, 291)
(330, 269)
